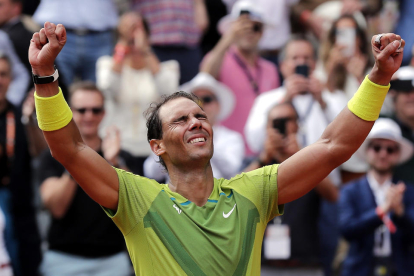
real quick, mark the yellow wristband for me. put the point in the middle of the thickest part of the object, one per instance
(53, 113)
(368, 100)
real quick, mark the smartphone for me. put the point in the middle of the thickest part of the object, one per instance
(346, 37)
(302, 70)
(280, 125)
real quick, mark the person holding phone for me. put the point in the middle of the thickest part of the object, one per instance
(235, 61)
(344, 56)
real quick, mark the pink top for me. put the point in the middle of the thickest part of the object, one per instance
(233, 73)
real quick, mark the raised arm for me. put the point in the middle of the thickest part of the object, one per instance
(304, 170)
(89, 169)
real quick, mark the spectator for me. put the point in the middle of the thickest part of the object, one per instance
(176, 29)
(277, 15)
(218, 102)
(131, 80)
(345, 64)
(402, 88)
(16, 192)
(315, 107)
(377, 215)
(89, 26)
(20, 36)
(236, 63)
(281, 143)
(81, 239)
(20, 76)
(5, 267)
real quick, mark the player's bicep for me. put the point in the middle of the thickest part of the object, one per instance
(303, 171)
(96, 177)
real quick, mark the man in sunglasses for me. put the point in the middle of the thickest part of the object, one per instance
(80, 238)
(376, 212)
(235, 61)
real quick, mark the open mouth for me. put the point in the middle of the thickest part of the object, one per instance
(197, 140)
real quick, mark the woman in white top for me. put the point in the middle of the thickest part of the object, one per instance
(132, 79)
(5, 266)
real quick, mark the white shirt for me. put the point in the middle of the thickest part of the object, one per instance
(313, 119)
(382, 240)
(226, 162)
(129, 94)
(97, 15)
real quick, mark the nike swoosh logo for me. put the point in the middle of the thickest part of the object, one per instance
(229, 213)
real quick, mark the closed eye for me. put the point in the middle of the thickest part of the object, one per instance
(201, 116)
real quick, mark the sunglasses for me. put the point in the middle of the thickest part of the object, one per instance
(208, 99)
(390, 150)
(95, 110)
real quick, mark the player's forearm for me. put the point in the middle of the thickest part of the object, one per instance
(347, 132)
(57, 194)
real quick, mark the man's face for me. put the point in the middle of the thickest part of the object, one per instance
(88, 111)
(187, 133)
(249, 40)
(283, 113)
(209, 102)
(404, 105)
(8, 10)
(5, 78)
(383, 155)
(297, 53)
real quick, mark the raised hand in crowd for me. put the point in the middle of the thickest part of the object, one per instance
(133, 44)
(356, 66)
(111, 146)
(297, 84)
(394, 199)
(315, 88)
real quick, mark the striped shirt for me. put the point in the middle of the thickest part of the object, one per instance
(170, 21)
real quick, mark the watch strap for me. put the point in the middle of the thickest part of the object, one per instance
(45, 79)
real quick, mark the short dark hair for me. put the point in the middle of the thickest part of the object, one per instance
(86, 86)
(297, 38)
(152, 114)
(289, 103)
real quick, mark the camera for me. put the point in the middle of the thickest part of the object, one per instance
(280, 125)
(302, 70)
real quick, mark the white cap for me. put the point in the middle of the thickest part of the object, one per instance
(255, 13)
(385, 128)
(224, 94)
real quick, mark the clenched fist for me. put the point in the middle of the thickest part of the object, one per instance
(388, 57)
(44, 48)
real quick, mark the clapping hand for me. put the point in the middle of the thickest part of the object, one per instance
(111, 145)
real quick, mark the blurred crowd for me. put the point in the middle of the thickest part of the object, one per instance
(270, 74)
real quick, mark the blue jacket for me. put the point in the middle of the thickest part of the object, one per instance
(358, 222)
